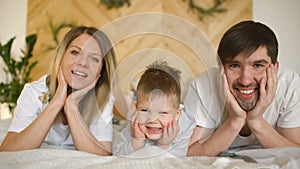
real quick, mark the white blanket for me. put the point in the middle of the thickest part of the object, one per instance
(51, 157)
(62, 158)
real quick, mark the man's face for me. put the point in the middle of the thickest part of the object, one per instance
(244, 75)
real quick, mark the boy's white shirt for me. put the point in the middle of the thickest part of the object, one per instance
(178, 147)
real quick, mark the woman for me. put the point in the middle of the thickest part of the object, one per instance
(73, 105)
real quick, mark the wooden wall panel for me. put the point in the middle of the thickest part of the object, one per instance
(91, 13)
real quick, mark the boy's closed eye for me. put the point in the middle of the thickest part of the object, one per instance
(164, 113)
(144, 110)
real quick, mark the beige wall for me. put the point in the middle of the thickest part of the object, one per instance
(283, 18)
(13, 17)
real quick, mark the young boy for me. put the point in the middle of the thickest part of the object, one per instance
(156, 118)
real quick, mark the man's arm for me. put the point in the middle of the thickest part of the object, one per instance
(270, 138)
(264, 132)
(218, 142)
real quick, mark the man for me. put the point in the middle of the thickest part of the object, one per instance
(248, 100)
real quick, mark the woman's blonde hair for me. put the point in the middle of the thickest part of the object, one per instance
(96, 99)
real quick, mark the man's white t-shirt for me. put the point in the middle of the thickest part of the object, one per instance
(29, 106)
(205, 103)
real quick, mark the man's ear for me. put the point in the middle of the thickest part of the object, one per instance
(276, 65)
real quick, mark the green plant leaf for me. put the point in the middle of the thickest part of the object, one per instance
(18, 71)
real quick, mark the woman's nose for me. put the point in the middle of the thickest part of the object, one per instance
(82, 60)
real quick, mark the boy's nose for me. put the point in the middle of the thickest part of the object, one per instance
(153, 116)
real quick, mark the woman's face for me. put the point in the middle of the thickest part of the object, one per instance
(82, 62)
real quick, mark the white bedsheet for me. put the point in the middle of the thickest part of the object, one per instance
(51, 157)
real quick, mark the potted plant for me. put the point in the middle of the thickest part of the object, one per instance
(17, 71)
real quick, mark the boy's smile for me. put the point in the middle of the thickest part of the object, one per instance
(155, 114)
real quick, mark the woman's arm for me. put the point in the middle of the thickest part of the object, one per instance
(33, 136)
(83, 139)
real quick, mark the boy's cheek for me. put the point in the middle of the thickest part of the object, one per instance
(142, 127)
(166, 120)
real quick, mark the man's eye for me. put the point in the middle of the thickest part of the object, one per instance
(258, 65)
(144, 110)
(234, 66)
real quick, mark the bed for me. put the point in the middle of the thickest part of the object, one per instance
(52, 157)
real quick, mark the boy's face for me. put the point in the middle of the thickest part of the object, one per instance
(156, 112)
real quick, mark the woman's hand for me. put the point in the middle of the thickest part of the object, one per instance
(61, 91)
(75, 97)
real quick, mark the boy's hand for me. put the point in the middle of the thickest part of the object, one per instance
(169, 133)
(138, 137)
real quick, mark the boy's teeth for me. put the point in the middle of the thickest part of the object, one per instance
(153, 128)
(247, 91)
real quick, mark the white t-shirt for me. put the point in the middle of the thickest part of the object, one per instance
(178, 147)
(205, 103)
(29, 106)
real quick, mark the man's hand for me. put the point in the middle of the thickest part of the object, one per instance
(267, 90)
(231, 104)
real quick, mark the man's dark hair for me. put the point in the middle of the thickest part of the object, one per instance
(245, 38)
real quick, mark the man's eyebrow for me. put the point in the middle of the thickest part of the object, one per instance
(262, 61)
(231, 61)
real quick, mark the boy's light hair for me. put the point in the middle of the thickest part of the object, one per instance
(160, 76)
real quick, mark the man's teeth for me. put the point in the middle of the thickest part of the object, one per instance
(247, 91)
(80, 74)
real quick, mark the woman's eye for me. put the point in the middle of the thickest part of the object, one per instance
(163, 113)
(95, 59)
(74, 52)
